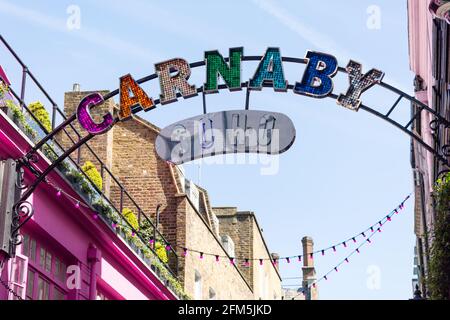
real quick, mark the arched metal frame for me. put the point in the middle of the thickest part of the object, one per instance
(20, 207)
(441, 155)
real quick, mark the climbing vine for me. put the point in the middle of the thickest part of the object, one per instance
(439, 267)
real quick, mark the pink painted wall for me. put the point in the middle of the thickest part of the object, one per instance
(420, 53)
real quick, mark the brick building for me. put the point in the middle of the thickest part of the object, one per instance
(186, 218)
(305, 291)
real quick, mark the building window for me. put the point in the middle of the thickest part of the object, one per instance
(18, 276)
(46, 271)
(212, 294)
(198, 286)
(228, 245)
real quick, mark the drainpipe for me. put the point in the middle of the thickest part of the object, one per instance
(93, 257)
(157, 222)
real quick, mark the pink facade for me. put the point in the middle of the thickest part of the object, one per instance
(66, 252)
(429, 42)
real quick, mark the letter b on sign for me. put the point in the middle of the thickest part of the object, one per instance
(317, 80)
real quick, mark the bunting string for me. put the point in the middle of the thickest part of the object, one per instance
(363, 237)
(346, 260)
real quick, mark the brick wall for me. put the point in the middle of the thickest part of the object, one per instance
(243, 229)
(221, 277)
(238, 226)
(266, 278)
(128, 149)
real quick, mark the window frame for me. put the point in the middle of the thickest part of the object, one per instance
(40, 271)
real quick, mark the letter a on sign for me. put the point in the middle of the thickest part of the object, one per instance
(270, 69)
(139, 97)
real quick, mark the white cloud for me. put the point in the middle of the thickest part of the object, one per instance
(315, 38)
(93, 36)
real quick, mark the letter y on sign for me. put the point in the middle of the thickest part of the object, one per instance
(358, 84)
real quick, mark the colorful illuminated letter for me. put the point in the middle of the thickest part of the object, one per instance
(85, 118)
(270, 69)
(171, 84)
(358, 84)
(317, 80)
(139, 97)
(216, 66)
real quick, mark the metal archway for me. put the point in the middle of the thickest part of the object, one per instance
(22, 210)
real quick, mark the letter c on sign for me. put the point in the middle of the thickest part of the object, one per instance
(85, 118)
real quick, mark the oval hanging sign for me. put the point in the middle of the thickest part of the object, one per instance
(234, 131)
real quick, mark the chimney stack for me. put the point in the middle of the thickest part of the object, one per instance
(276, 257)
(76, 87)
(309, 272)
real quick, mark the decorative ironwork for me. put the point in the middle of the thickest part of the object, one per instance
(446, 150)
(24, 212)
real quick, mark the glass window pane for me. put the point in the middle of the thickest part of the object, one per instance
(43, 287)
(42, 257)
(26, 245)
(57, 294)
(18, 291)
(48, 262)
(30, 284)
(57, 267)
(16, 268)
(32, 255)
(62, 273)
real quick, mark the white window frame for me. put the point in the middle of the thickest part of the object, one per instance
(21, 283)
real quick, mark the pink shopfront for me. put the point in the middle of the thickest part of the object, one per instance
(68, 250)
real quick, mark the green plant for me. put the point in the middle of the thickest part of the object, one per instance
(38, 110)
(86, 188)
(93, 174)
(131, 218)
(161, 252)
(439, 268)
(174, 284)
(3, 89)
(49, 151)
(74, 176)
(146, 230)
(63, 167)
(19, 117)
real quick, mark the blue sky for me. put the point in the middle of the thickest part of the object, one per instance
(345, 171)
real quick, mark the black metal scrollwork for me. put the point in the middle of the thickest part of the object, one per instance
(436, 123)
(22, 213)
(445, 149)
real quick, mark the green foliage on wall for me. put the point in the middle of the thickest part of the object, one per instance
(161, 251)
(439, 268)
(3, 89)
(93, 174)
(131, 218)
(38, 110)
(19, 117)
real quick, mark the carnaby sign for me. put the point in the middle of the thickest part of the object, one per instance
(248, 131)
